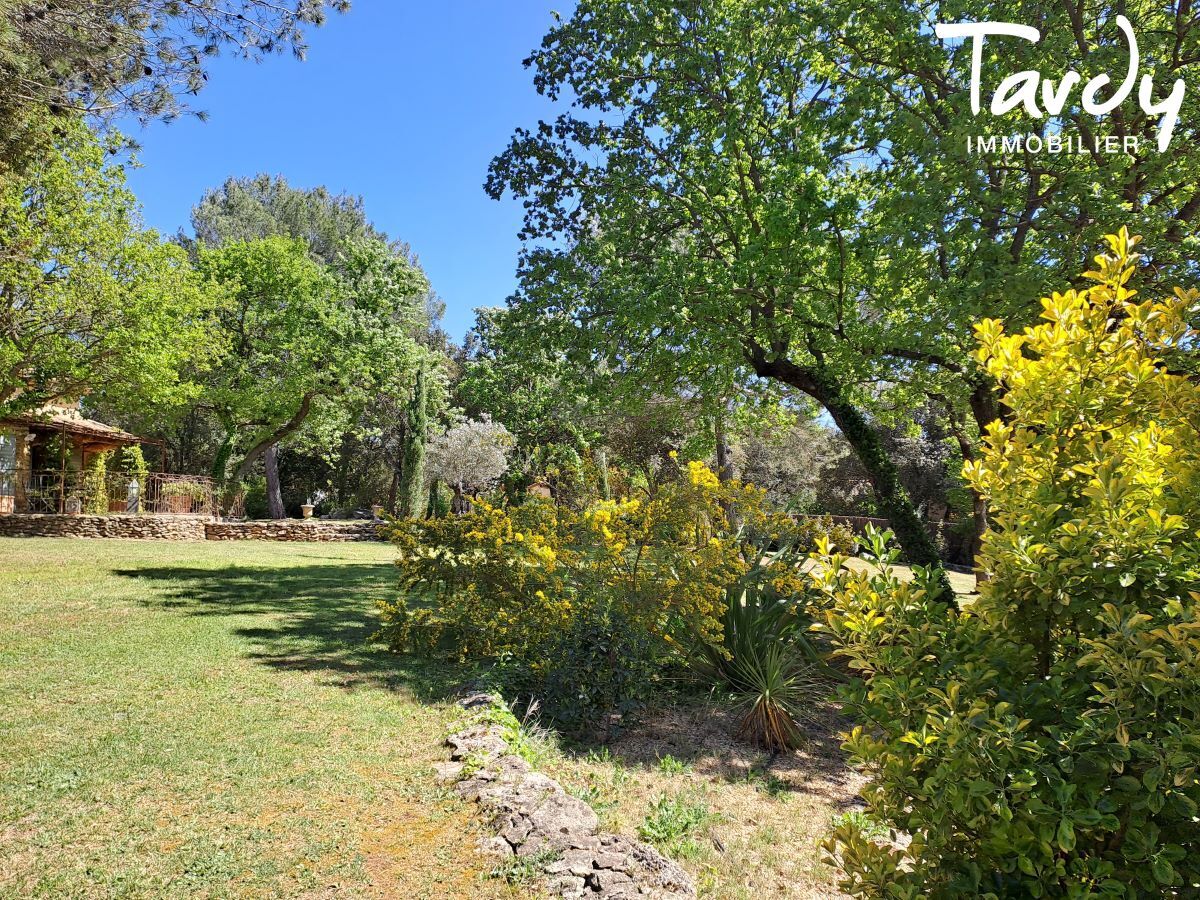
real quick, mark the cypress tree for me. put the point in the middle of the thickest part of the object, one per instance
(412, 460)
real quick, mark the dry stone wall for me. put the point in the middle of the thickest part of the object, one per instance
(184, 528)
(293, 530)
(535, 815)
(152, 528)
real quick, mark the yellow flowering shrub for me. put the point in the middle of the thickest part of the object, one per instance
(1044, 740)
(582, 609)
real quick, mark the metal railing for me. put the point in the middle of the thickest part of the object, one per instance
(155, 493)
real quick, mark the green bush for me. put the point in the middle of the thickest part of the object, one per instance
(582, 610)
(673, 822)
(94, 484)
(254, 501)
(811, 529)
(598, 662)
(1044, 740)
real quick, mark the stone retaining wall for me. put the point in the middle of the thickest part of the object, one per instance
(184, 528)
(293, 530)
(154, 528)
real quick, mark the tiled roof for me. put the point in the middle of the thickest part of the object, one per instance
(71, 421)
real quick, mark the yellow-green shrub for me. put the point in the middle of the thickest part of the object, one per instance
(94, 484)
(581, 609)
(1044, 741)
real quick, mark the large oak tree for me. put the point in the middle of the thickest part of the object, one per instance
(305, 336)
(751, 189)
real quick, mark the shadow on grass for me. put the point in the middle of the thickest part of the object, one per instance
(305, 618)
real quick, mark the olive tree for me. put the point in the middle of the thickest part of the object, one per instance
(469, 457)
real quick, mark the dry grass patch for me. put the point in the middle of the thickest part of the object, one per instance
(745, 823)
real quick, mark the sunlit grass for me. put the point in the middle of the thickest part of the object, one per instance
(208, 720)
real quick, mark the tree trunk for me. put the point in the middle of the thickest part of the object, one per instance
(391, 500)
(890, 494)
(222, 459)
(274, 496)
(233, 486)
(894, 503)
(724, 454)
(601, 457)
(275, 437)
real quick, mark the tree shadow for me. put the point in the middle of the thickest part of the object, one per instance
(305, 618)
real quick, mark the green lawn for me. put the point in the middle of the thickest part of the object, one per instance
(207, 720)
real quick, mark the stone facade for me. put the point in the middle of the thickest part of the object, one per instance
(183, 528)
(153, 528)
(292, 530)
(534, 815)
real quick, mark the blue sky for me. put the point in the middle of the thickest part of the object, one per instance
(402, 103)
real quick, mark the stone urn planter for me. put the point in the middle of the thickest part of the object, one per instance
(377, 511)
(306, 510)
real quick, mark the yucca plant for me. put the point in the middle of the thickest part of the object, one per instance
(767, 664)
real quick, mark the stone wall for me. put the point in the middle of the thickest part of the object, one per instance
(539, 820)
(184, 528)
(292, 530)
(155, 528)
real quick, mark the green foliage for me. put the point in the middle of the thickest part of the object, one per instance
(440, 498)
(673, 822)
(1043, 740)
(127, 56)
(411, 500)
(469, 457)
(582, 610)
(537, 394)
(669, 765)
(310, 341)
(193, 490)
(254, 498)
(524, 871)
(753, 189)
(94, 484)
(863, 824)
(764, 658)
(132, 462)
(764, 661)
(811, 530)
(90, 301)
(246, 209)
(598, 798)
(349, 441)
